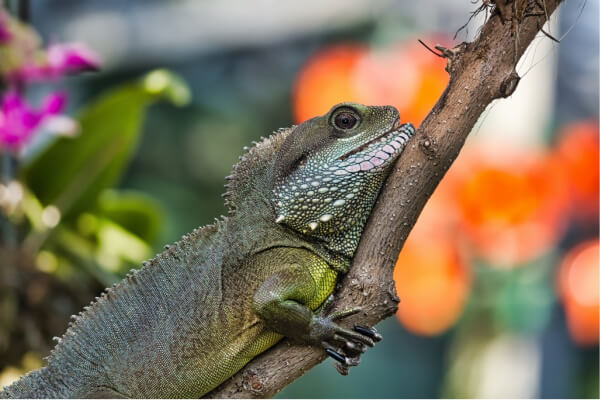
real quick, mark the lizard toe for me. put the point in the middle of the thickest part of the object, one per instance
(370, 332)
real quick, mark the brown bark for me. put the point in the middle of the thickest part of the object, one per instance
(480, 72)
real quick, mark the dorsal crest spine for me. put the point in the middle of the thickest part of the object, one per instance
(252, 169)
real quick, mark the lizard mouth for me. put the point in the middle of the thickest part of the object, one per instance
(379, 151)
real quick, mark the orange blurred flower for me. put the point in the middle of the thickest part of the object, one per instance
(406, 76)
(432, 276)
(578, 154)
(578, 287)
(429, 83)
(511, 207)
(327, 79)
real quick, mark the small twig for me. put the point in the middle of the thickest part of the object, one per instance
(549, 36)
(430, 49)
(446, 52)
(483, 7)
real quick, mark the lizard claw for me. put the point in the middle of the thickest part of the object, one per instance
(343, 364)
(351, 348)
(336, 356)
(342, 368)
(370, 332)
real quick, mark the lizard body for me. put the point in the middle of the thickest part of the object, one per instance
(202, 309)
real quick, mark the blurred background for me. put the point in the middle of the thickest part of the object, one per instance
(119, 121)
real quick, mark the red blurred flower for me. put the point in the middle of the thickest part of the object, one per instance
(577, 152)
(578, 287)
(511, 207)
(327, 79)
(406, 76)
(432, 276)
(19, 121)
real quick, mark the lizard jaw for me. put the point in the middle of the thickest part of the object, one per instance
(377, 152)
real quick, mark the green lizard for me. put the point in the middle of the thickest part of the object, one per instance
(202, 309)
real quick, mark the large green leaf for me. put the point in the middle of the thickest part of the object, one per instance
(71, 173)
(134, 211)
(108, 242)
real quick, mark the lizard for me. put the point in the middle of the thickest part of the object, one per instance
(199, 311)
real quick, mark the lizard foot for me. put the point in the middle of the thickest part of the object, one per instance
(343, 345)
(352, 351)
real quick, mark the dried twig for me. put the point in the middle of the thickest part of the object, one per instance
(430, 49)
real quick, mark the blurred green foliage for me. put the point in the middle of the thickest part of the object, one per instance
(83, 167)
(78, 233)
(107, 230)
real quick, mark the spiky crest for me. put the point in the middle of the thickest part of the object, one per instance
(252, 169)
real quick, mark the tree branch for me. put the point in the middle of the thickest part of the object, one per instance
(480, 72)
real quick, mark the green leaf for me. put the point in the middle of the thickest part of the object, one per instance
(80, 255)
(119, 250)
(106, 252)
(71, 173)
(134, 211)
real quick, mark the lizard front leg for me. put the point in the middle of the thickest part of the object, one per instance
(285, 302)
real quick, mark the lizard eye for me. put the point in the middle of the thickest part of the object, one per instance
(345, 120)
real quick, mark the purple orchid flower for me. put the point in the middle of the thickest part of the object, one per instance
(19, 122)
(72, 58)
(60, 59)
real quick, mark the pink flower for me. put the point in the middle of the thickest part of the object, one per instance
(5, 33)
(19, 122)
(60, 59)
(72, 58)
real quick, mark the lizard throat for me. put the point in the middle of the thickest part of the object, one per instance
(331, 201)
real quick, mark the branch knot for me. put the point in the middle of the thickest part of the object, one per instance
(509, 84)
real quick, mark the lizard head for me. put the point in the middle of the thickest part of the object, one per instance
(331, 168)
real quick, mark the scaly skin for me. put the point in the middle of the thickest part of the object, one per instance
(201, 310)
